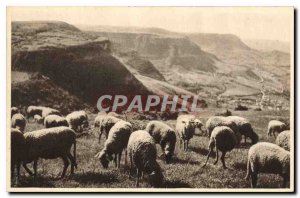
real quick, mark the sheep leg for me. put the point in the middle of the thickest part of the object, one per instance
(73, 163)
(217, 155)
(245, 141)
(223, 159)
(100, 137)
(187, 144)
(207, 158)
(119, 159)
(138, 177)
(125, 157)
(115, 161)
(27, 169)
(35, 168)
(253, 180)
(18, 173)
(66, 164)
(285, 181)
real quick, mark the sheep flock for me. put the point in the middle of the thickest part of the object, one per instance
(143, 151)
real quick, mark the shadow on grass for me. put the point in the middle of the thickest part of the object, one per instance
(38, 182)
(202, 151)
(95, 177)
(176, 160)
(176, 184)
(240, 166)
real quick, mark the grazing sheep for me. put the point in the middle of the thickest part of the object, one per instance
(276, 126)
(185, 128)
(49, 111)
(114, 114)
(17, 152)
(50, 143)
(18, 121)
(34, 110)
(142, 153)
(163, 135)
(283, 140)
(77, 120)
(106, 124)
(245, 128)
(215, 121)
(223, 139)
(14, 110)
(38, 119)
(265, 157)
(97, 124)
(55, 121)
(115, 144)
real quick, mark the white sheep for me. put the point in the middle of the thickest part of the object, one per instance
(105, 123)
(265, 157)
(18, 121)
(49, 111)
(14, 110)
(115, 144)
(215, 121)
(17, 152)
(185, 128)
(55, 121)
(244, 127)
(34, 110)
(114, 114)
(38, 119)
(50, 143)
(223, 139)
(276, 126)
(163, 135)
(77, 120)
(142, 153)
(283, 140)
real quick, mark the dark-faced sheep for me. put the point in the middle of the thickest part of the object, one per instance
(222, 139)
(265, 157)
(18, 121)
(142, 153)
(34, 110)
(38, 119)
(115, 144)
(55, 121)
(50, 143)
(163, 135)
(276, 127)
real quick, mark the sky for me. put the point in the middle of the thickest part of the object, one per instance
(271, 23)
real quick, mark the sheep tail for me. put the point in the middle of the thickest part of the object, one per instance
(248, 170)
(74, 153)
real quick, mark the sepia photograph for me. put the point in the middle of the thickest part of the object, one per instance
(150, 99)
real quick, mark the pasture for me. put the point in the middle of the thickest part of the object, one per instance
(184, 172)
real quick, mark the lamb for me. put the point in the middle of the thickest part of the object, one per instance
(77, 119)
(14, 110)
(223, 139)
(34, 110)
(115, 144)
(105, 123)
(142, 152)
(276, 126)
(38, 119)
(215, 121)
(55, 121)
(163, 135)
(283, 140)
(17, 152)
(244, 127)
(185, 128)
(265, 157)
(49, 111)
(50, 143)
(18, 121)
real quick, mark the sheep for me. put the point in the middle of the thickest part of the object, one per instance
(77, 119)
(34, 110)
(14, 110)
(185, 128)
(18, 121)
(102, 113)
(142, 153)
(223, 139)
(276, 126)
(265, 157)
(97, 124)
(50, 143)
(115, 144)
(215, 121)
(38, 119)
(244, 127)
(17, 152)
(283, 140)
(49, 111)
(105, 123)
(163, 135)
(55, 121)
(114, 114)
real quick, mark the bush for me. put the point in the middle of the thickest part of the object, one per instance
(241, 108)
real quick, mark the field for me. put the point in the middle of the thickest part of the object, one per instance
(184, 171)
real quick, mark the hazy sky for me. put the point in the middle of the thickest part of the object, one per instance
(273, 23)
